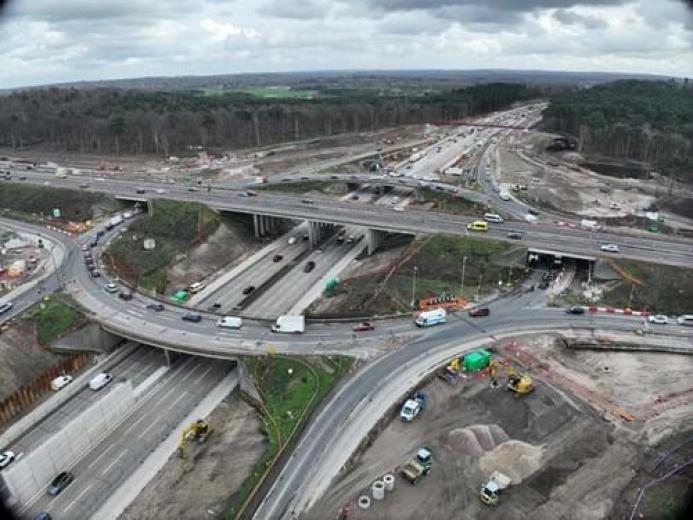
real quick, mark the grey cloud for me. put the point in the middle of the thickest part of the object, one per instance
(568, 17)
(64, 10)
(296, 9)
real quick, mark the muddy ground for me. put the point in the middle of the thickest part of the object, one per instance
(561, 183)
(230, 243)
(200, 485)
(570, 453)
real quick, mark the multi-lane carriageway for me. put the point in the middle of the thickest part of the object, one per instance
(659, 249)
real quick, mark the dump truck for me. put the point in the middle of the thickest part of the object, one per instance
(520, 384)
(412, 407)
(287, 324)
(417, 467)
(490, 492)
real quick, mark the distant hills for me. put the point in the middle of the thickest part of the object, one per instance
(358, 79)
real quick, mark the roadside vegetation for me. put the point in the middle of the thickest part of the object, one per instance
(438, 260)
(32, 201)
(55, 316)
(292, 388)
(663, 289)
(175, 227)
(451, 204)
(646, 121)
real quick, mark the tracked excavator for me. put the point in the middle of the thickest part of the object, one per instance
(521, 384)
(197, 431)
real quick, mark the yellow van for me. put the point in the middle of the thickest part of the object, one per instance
(478, 225)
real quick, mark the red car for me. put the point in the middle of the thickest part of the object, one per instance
(479, 312)
(362, 327)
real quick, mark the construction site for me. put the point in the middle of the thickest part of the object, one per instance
(573, 438)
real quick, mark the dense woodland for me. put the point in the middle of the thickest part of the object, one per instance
(644, 121)
(117, 121)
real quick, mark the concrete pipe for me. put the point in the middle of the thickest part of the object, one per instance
(389, 481)
(378, 490)
(364, 502)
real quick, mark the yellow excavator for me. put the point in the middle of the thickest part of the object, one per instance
(197, 431)
(521, 384)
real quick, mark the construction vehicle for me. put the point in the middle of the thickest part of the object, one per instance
(490, 492)
(418, 466)
(413, 407)
(521, 384)
(197, 431)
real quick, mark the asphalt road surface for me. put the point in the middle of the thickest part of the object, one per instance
(110, 463)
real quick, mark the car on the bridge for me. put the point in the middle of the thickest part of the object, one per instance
(140, 190)
(125, 295)
(193, 188)
(363, 327)
(43, 515)
(6, 459)
(514, 235)
(60, 482)
(5, 307)
(609, 248)
(60, 382)
(309, 267)
(195, 318)
(100, 380)
(247, 290)
(398, 208)
(95, 274)
(110, 288)
(159, 191)
(277, 258)
(659, 319)
(85, 247)
(230, 322)
(156, 307)
(292, 240)
(575, 309)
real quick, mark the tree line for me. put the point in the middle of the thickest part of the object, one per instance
(141, 122)
(649, 121)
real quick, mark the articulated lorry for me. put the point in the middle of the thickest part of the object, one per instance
(287, 324)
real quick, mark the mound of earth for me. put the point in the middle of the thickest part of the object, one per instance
(516, 459)
(476, 439)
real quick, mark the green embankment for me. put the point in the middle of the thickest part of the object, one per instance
(664, 290)
(28, 200)
(301, 187)
(175, 226)
(292, 388)
(55, 316)
(438, 260)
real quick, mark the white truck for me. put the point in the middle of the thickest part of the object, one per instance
(414, 157)
(430, 318)
(115, 221)
(288, 324)
(592, 225)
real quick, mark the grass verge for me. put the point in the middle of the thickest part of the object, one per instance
(300, 187)
(41, 200)
(292, 388)
(175, 226)
(452, 204)
(664, 289)
(438, 262)
(55, 316)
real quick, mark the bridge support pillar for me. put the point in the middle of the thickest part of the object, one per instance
(167, 355)
(314, 233)
(374, 239)
(150, 207)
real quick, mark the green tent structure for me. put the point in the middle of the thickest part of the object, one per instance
(476, 360)
(180, 296)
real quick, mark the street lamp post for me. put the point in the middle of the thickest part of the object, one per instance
(413, 288)
(464, 265)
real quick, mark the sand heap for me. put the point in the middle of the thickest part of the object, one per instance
(516, 459)
(476, 439)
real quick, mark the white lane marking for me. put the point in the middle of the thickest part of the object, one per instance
(202, 376)
(69, 506)
(133, 425)
(102, 454)
(174, 403)
(144, 432)
(108, 468)
(163, 397)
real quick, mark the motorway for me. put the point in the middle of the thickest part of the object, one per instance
(107, 465)
(658, 249)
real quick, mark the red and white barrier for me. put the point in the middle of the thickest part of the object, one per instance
(612, 310)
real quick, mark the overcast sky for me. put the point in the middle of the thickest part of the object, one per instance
(46, 41)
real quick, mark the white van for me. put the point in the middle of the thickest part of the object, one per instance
(504, 195)
(100, 380)
(492, 217)
(686, 320)
(292, 240)
(230, 322)
(196, 287)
